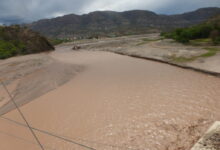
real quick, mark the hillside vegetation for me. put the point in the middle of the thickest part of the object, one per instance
(16, 40)
(208, 31)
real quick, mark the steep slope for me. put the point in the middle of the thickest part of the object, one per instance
(16, 40)
(118, 23)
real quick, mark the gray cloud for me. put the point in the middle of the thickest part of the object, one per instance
(17, 11)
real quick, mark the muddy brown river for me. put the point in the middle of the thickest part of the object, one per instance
(117, 102)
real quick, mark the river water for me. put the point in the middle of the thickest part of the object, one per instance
(118, 102)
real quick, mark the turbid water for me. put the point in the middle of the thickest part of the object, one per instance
(118, 102)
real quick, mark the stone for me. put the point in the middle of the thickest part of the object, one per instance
(211, 139)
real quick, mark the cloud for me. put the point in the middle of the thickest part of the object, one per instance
(30, 10)
(178, 6)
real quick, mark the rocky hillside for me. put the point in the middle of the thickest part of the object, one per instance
(109, 23)
(16, 40)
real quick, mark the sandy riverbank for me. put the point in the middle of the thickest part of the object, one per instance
(31, 76)
(152, 47)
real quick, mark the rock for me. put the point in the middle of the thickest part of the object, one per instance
(211, 140)
(76, 47)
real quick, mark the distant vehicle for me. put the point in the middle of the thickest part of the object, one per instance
(76, 47)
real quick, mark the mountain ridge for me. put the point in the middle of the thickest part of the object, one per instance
(112, 23)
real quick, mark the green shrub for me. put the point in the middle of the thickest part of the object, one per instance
(7, 49)
(216, 40)
(205, 30)
(16, 40)
(215, 36)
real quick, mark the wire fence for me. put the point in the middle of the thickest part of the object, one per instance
(22, 115)
(30, 128)
(94, 144)
(84, 144)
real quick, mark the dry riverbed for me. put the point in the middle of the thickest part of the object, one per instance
(153, 46)
(107, 101)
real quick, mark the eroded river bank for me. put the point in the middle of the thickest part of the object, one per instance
(116, 102)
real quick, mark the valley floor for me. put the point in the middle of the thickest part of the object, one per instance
(93, 98)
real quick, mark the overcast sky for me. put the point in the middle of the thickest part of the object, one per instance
(17, 11)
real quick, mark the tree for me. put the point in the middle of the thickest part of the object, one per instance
(215, 36)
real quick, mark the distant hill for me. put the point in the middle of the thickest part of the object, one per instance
(214, 20)
(118, 23)
(16, 40)
(206, 32)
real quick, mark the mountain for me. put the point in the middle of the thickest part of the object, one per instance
(16, 40)
(110, 23)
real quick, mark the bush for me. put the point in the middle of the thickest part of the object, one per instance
(183, 36)
(205, 30)
(16, 40)
(216, 40)
(7, 49)
(215, 36)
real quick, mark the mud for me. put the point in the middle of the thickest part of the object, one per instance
(119, 102)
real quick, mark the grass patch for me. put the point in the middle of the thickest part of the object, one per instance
(8, 49)
(146, 40)
(182, 59)
(204, 41)
(211, 52)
